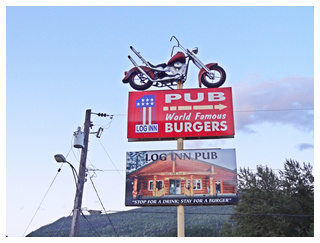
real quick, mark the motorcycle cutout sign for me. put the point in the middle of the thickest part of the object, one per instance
(185, 113)
(175, 70)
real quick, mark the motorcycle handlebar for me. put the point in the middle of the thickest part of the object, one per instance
(177, 45)
(176, 39)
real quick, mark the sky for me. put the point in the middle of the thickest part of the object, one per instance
(61, 61)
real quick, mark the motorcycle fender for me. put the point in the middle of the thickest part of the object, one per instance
(202, 71)
(128, 74)
(135, 69)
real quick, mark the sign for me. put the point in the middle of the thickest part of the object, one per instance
(181, 177)
(185, 113)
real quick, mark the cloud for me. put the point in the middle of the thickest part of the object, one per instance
(304, 146)
(288, 102)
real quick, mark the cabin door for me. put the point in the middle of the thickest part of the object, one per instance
(175, 187)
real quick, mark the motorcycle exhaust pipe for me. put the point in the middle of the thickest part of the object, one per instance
(141, 58)
(139, 68)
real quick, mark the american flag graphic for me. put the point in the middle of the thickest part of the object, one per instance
(146, 106)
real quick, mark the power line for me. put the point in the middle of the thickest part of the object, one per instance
(258, 110)
(64, 221)
(104, 170)
(302, 109)
(42, 200)
(110, 159)
(69, 149)
(259, 214)
(90, 223)
(120, 115)
(226, 214)
(114, 229)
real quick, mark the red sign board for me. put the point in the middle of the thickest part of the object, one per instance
(184, 113)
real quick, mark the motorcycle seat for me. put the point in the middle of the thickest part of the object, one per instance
(163, 65)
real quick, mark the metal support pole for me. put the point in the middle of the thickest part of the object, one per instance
(81, 179)
(180, 209)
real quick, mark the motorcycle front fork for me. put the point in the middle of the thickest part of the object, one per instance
(197, 62)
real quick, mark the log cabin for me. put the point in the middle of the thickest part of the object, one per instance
(181, 177)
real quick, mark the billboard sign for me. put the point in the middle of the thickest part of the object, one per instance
(185, 113)
(181, 177)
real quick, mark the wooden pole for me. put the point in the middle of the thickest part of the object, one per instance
(180, 209)
(180, 143)
(180, 214)
(81, 179)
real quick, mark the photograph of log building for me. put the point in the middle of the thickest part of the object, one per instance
(180, 177)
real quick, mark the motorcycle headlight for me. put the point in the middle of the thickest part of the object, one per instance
(177, 64)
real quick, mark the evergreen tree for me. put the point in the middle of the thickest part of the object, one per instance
(298, 187)
(135, 160)
(272, 205)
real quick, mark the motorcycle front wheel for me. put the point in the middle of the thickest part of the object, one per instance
(139, 81)
(215, 78)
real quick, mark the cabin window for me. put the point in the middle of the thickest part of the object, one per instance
(159, 185)
(196, 184)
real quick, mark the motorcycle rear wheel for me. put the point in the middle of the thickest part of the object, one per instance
(215, 78)
(139, 81)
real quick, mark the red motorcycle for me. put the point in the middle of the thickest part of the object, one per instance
(169, 74)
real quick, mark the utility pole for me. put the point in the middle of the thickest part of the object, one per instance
(81, 179)
(180, 208)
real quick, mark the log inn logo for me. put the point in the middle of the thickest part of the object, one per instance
(146, 106)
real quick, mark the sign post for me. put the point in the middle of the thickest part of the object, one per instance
(180, 208)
